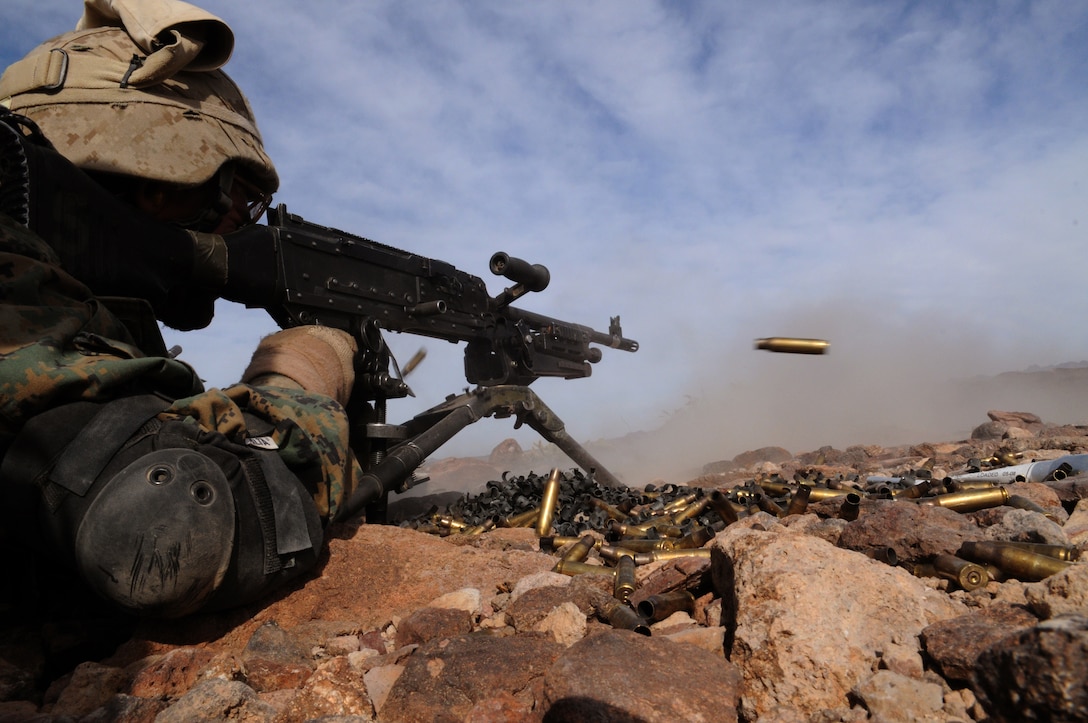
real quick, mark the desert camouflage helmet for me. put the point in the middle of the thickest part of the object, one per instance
(177, 128)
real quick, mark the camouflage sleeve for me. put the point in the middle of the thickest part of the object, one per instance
(58, 344)
(310, 432)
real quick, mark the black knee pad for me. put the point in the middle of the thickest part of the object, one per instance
(163, 519)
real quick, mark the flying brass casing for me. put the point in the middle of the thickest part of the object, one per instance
(966, 574)
(547, 503)
(624, 581)
(850, 507)
(621, 615)
(792, 345)
(659, 607)
(970, 500)
(798, 501)
(1023, 565)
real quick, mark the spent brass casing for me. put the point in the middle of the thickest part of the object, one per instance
(661, 606)
(645, 544)
(522, 519)
(681, 502)
(645, 558)
(816, 494)
(622, 616)
(567, 567)
(970, 500)
(850, 507)
(613, 554)
(1023, 565)
(695, 539)
(793, 345)
(1068, 553)
(547, 503)
(775, 487)
(580, 550)
(695, 509)
(721, 504)
(769, 506)
(450, 523)
(798, 501)
(962, 485)
(915, 491)
(624, 581)
(488, 525)
(613, 512)
(968, 575)
(887, 555)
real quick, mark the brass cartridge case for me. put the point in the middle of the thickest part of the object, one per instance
(1068, 553)
(645, 558)
(522, 519)
(1023, 565)
(769, 506)
(450, 523)
(963, 485)
(547, 503)
(693, 510)
(970, 500)
(621, 615)
(887, 555)
(624, 580)
(489, 524)
(613, 512)
(681, 502)
(567, 567)
(613, 554)
(695, 539)
(798, 501)
(966, 574)
(775, 487)
(816, 494)
(850, 507)
(580, 550)
(793, 345)
(721, 504)
(645, 544)
(659, 607)
(915, 491)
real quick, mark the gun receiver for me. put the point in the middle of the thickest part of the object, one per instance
(333, 278)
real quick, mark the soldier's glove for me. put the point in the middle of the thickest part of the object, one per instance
(318, 359)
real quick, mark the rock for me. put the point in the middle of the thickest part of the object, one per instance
(169, 675)
(1039, 674)
(217, 699)
(276, 659)
(1061, 594)
(468, 599)
(505, 453)
(954, 645)
(379, 681)
(90, 686)
(619, 675)
(763, 454)
(124, 709)
(989, 431)
(1025, 420)
(779, 591)
(914, 532)
(892, 697)
(430, 623)
(335, 689)
(565, 623)
(537, 580)
(1025, 526)
(1076, 527)
(445, 679)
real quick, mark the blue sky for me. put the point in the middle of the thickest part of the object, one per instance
(906, 179)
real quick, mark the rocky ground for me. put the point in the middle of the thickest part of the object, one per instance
(826, 609)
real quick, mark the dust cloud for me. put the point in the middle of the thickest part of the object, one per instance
(886, 379)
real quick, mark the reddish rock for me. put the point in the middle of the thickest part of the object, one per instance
(954, 645)
(445, 679)
(169, 675)
(915, 532)
(429, 623)
(618, 675)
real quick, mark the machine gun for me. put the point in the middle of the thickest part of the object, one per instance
(329, 277)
